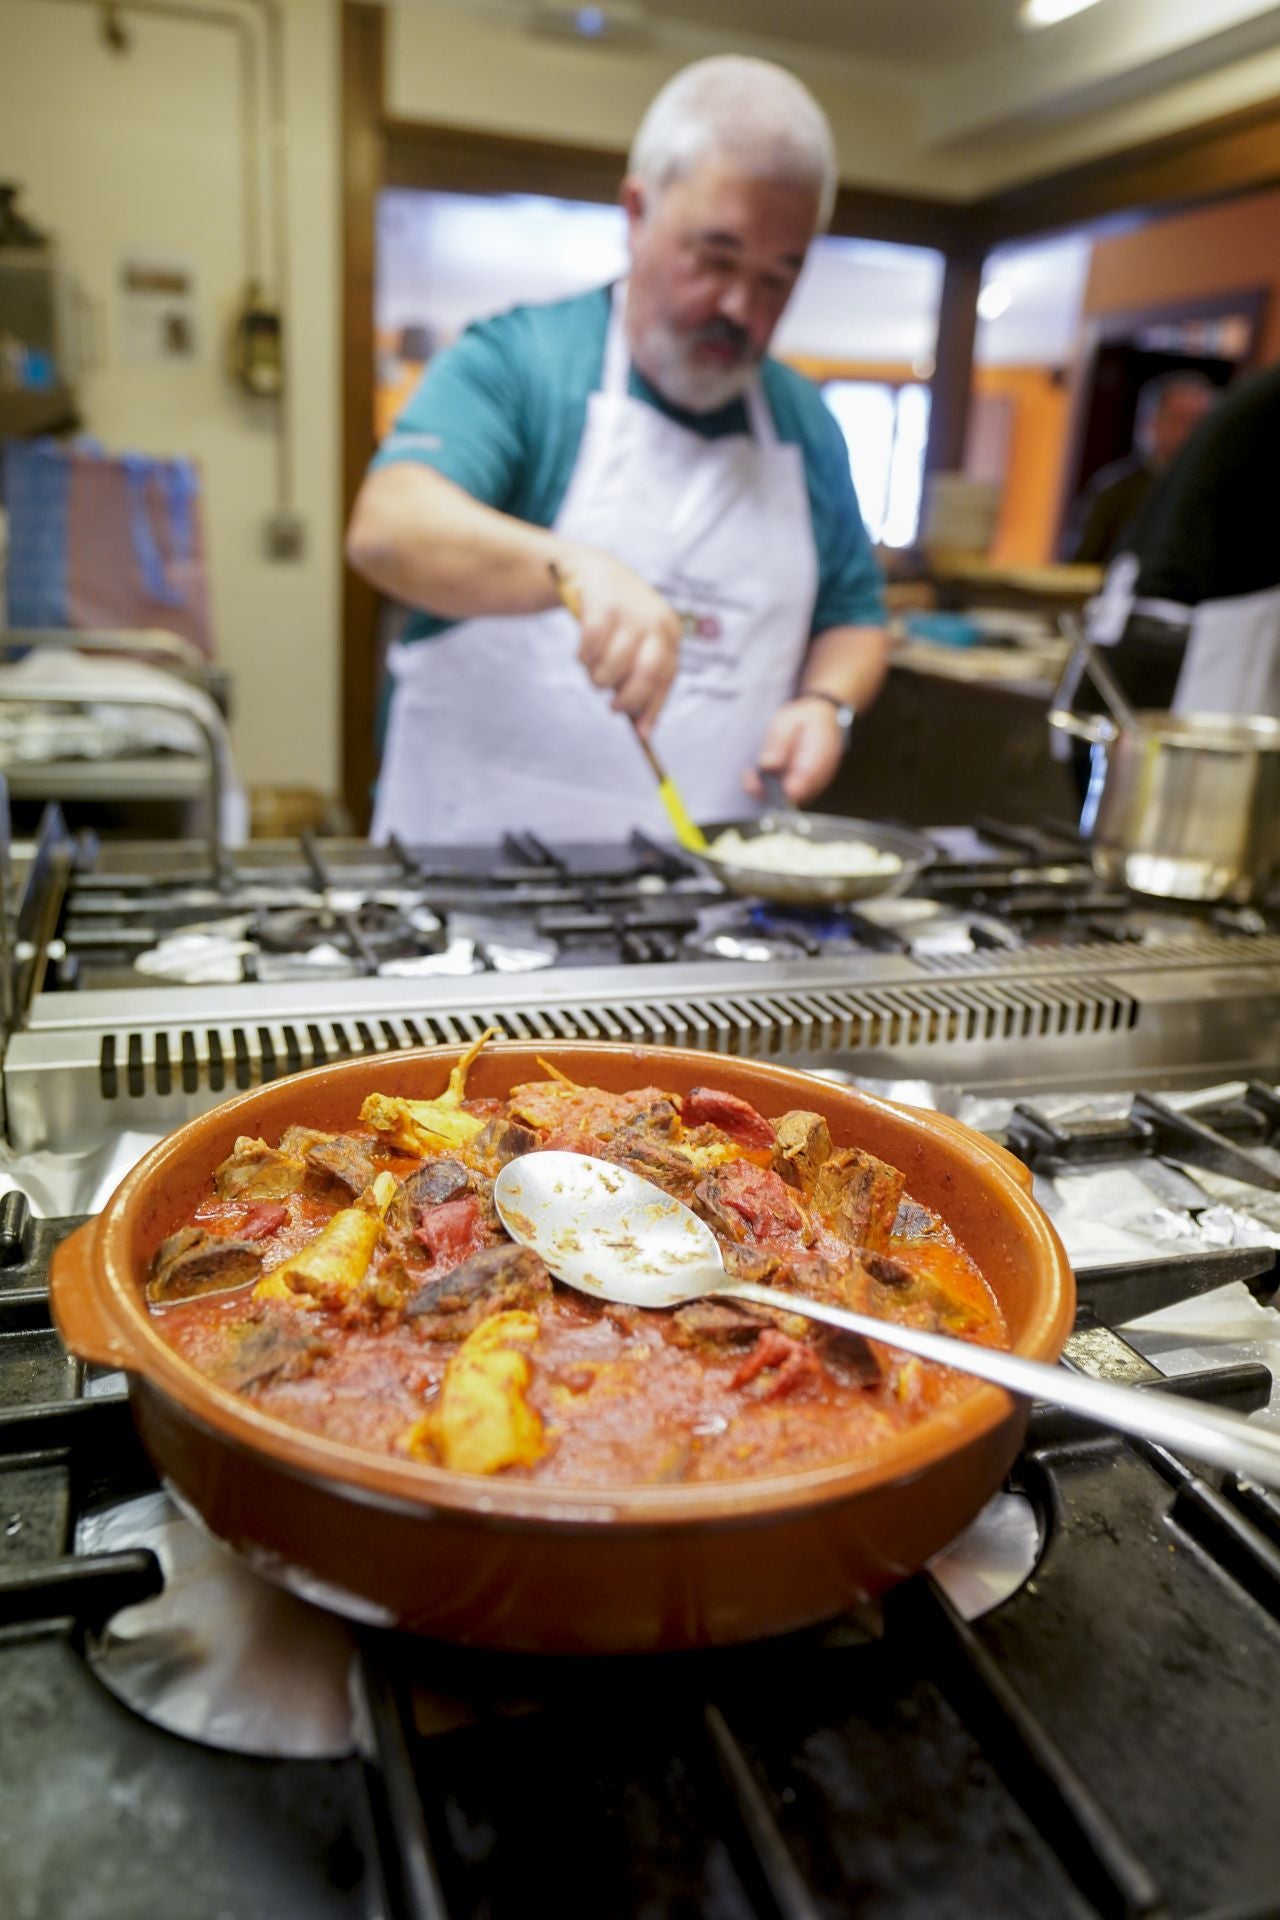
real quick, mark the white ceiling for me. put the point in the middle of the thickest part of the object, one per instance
(922, 35)
(946, 97)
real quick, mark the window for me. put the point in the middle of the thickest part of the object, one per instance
(885, 428)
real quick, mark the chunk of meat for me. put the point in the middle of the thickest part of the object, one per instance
(557, 1106)
(255, 1171)
(493, 1281)
(255, 1351)
(916, 1223)
(484, 1422)
(654, 1160)
(802, 1143)
(794, 1365)
(859, 1195)
(738, 1118)
(434, 1182)
(297, 1142)
(451, 1232)
(192, 1261)
(501, 1139)
(839, 1282)
(744, 1202)
(888, 1270)
(714, 1323)
(345, 1161)
(263, 1220)
(656, 1121)
(926, 1278)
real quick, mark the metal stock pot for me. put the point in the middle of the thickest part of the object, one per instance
(1183, 806)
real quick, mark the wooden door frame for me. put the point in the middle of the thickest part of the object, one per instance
(1235, 154)
(1102, 328)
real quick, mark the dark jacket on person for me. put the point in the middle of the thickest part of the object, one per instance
(1106, 509)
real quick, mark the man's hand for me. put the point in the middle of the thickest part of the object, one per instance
(630, 635)
(805, 745)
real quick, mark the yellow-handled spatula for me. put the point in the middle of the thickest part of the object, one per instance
(688, 834)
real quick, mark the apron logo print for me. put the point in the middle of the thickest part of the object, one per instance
(702, 626)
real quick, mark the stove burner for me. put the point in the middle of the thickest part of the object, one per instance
(219, 1655)
(1031, 1760)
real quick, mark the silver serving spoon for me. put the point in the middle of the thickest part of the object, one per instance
(615, 1236)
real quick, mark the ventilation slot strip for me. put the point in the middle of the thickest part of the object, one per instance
(795, 1024)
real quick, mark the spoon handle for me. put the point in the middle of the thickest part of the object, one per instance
(1222, 1439)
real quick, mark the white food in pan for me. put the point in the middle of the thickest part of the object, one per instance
(795, 853)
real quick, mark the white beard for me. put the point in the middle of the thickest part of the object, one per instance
(664, 360)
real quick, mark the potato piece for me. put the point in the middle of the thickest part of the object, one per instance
(484, 1423)
(336, 1261)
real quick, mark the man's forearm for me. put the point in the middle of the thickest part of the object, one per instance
(849, 663)
(425, 542)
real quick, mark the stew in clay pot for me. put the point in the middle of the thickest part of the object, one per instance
(360, 1285)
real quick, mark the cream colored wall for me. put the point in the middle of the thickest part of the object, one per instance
(139, 151)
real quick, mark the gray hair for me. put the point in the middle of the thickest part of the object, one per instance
(746, 110)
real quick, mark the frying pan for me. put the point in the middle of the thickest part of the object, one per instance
(495, 1562)
(912, 850)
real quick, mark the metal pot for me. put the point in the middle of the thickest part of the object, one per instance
(1183, 806)
(514, 1564)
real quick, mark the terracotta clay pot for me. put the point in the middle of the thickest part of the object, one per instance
(511, 1564)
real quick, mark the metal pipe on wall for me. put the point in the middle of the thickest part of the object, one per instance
(260, 35)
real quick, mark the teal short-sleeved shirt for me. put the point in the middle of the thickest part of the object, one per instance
(502, 413)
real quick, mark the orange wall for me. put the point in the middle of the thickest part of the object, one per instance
(1221, 249)
(1027, 527)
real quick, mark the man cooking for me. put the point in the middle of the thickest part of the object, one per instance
(634, 453)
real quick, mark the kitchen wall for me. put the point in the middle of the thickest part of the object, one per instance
(139, 150)
(1038, 400)
(1225, 248)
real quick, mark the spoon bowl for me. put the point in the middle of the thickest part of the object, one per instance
(606, 1231)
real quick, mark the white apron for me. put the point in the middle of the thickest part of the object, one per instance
(495, 725)
(1232, 663)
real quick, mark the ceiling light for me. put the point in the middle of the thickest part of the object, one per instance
(623, 22)
(994, 300)
(1047, 13)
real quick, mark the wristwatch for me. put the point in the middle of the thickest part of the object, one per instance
(845, 713)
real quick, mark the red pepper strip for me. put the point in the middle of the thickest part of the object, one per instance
(738, 1118)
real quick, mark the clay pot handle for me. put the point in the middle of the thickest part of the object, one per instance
(81, 1310)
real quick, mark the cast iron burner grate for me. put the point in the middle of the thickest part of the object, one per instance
(1101, 1744)
(1221, 1138)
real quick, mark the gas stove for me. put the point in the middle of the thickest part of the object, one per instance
(1101, 1742)
(1072, 1715)
(333, 909)
(148, 988)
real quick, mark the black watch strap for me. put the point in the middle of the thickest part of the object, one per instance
(846, 713)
